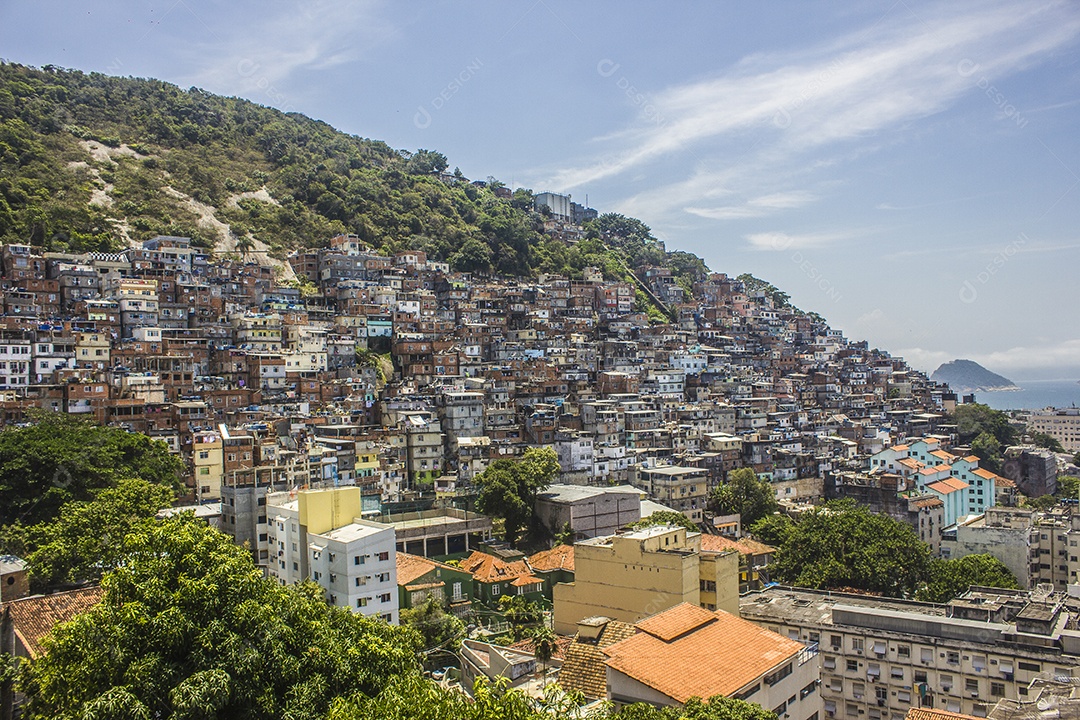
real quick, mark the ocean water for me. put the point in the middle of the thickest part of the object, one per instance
(1034, 395)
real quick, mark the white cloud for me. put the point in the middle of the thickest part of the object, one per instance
(897, 71)
(780, 241)
(261, 56)
(756, 207)
(1065, 354)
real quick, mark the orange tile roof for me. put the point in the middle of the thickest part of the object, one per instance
(909, 462)
(412, 567)
(744, 546)
(942, 455)
(932, 714)
(560, 557)
(35, 617)
(688, 651)
(986, 474)
(490, 569)
(524, 580)
(948, 485)
(928, 503)
(1005, 482)
(900, 448)
(971, 458)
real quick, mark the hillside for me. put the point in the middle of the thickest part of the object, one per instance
(969, 376)
(92, 162)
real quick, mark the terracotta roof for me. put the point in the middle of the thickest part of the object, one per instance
(688, 651)
(971, 458)
(942, 455)
(35, 617)
(490, 569)
(744, 546)
(524, 580)
(932, 714)
(986, 474)
(948, 485)
(1004, 482)
(562, 643)
(560, 557)
(412, 567)
(584, 665)
(928, 503)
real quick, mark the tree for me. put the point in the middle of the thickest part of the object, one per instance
(772, 529)
(843, 545)
(949, 578)
(520, 613)
(86, 539)
(189, 627)
(744, 494)
(988, 449)
(508, 488)
(974, 419)
(440, 631)
(244, 245)
(426, 162)
(473, 257)
(544, 645)
(61, 458)
(1045, 441)
(715, 708)
(665, 517)
(1068, 486)
(1043, 502)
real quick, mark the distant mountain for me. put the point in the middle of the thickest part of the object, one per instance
(970, 376)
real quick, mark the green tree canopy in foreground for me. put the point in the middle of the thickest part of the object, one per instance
(87, 537)
(508, 488)
(949, 578)
(843, 545)
(61, 458)
(188, 627)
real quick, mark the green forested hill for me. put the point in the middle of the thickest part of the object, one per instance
(92, 162)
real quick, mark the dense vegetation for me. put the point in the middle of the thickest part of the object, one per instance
(60, 458)
(743, 494)
(281, 179)
(507, 489)
(988, 431)
(844, 546)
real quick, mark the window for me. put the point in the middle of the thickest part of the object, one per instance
(1030, 667)
(972, 685)
(361, 602)
(384, 598)
(903, 651)
(953, 658)
(857, 644)
(384, 556)
(997, 689)
(927, 655)
(852, 665)
(809, 689)
(495, 589)
(835, 641)
(778, 675)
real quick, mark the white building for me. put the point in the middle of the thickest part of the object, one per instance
(318, 535)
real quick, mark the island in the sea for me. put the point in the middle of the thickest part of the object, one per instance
(970, 376)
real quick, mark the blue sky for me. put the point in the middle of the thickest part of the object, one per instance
(910, 170)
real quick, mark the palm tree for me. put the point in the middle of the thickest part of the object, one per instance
(244, 245)
(544, 645)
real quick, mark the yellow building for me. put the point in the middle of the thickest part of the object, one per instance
(209, 465)
(631, 576)
(92, 350)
